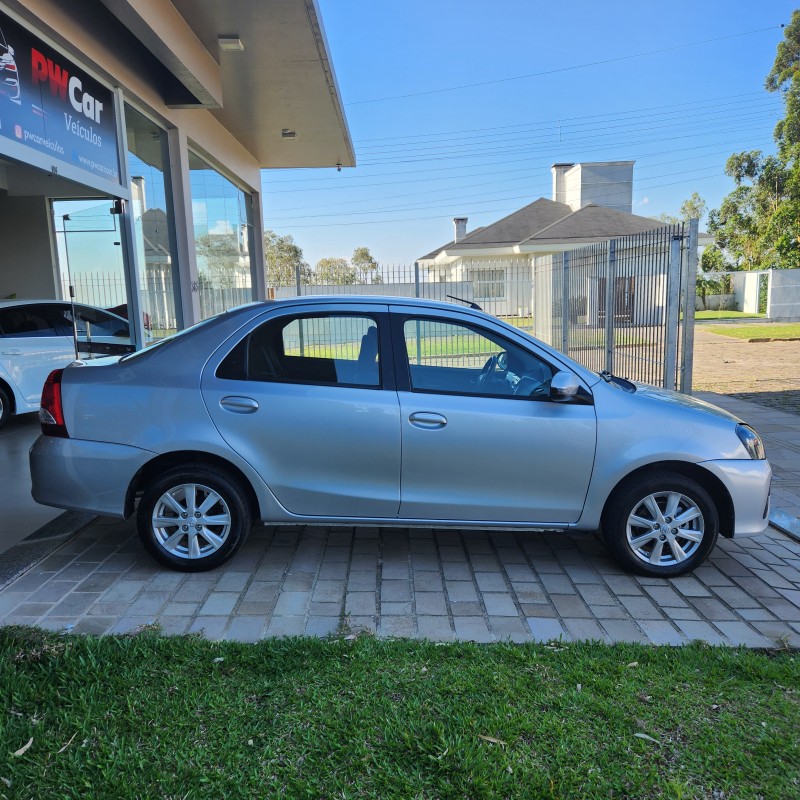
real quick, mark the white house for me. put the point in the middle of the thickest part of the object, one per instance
(591, 203)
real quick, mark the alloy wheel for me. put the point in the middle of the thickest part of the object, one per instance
(665, 528)
(191, 521)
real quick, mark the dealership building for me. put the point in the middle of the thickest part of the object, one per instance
(132, 138)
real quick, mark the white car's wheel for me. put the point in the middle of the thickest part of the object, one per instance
(662, 525)
(5, 407)
(193, 519)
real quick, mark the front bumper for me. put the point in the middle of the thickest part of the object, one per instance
(747, 482)
(82, 475)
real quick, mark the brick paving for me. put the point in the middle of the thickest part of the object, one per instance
(435, 584)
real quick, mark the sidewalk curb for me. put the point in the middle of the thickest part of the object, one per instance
(41, 543)
(785, 523)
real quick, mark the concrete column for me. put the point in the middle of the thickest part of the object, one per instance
(185, 254)
(127, 230)
(258, 265)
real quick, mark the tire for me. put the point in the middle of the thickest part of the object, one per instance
(663, 525)
(205, 494)
(5, 407)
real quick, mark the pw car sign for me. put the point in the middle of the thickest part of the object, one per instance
(52, 106)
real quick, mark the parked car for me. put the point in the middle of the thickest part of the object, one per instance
(389, 411)
(36, 336)
(9, 75)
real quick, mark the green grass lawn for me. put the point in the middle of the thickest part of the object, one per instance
(726, 315)
(151, 717)
(767, 330)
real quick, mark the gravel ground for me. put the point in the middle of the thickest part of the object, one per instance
(767, 373)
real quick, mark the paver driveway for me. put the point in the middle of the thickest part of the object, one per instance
(420, 583)
(435, 584)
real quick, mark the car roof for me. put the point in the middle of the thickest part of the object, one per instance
(48, 301)
(370, 299)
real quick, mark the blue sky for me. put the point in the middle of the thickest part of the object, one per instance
(678, 87)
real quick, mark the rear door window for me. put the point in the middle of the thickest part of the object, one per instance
(32, 321)
(339, 349)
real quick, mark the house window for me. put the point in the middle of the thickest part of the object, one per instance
(489, 284)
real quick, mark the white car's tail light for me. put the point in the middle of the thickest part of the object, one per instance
(51, 413)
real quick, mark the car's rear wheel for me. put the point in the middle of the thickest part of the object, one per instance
(193, 519)
(663, 524)
(5, 407)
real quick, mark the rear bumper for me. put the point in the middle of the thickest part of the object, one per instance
(82, 475)
(748, 483)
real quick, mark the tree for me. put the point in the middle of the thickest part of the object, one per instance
(336, 271)
(283, 259)
(693, 207)
(365, 265)
(221, 254)
(758, 224)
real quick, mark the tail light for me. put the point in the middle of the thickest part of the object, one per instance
(51, 413)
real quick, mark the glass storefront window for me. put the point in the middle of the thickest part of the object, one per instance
(151, 205)
(90, 254)
(223, 233)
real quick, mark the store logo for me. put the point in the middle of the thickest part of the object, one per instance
(18, 131)
(45, 70)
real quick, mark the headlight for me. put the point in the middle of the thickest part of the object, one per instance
(751, 441)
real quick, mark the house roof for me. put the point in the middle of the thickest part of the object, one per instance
(593, 222)
(546, 221)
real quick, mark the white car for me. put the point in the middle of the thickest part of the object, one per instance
(36, 337)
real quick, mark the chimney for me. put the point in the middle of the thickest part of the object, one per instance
(460, 224)
(559, 187)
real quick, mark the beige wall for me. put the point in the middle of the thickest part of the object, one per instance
(26, 260)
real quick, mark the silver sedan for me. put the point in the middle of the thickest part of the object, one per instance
(389, 411)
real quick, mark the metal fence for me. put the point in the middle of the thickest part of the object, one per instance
(501, 287)
(626, 305)
(619, 305)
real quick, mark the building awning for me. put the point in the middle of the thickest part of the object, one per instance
(262, 68)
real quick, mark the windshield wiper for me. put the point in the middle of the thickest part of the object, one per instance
(622, 383)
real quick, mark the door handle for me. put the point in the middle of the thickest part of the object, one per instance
(239, 405)
(427, 419)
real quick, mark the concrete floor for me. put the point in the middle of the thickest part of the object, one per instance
(21, 516)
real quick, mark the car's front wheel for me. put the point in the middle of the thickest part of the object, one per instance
(5, 407)
(663, 524)
(193, 519)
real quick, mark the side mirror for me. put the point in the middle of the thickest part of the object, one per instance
(564, 386)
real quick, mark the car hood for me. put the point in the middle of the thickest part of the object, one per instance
(684, 400)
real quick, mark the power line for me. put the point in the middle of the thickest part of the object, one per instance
(709, 102)
(502, 210)
(563, 128)
(534, 173)
(736, 143)
(549, 140)
(438, 203)
(558, 70)
(350, 178)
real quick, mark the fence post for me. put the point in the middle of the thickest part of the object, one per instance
(297, 279)
(689, 282)
(610, 301)
(416, 279)
(673, 310)
(565, 305)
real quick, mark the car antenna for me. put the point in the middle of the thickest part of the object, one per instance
(462, 300)
(64, 221)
